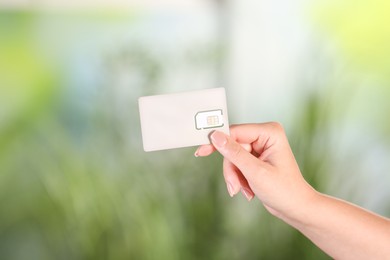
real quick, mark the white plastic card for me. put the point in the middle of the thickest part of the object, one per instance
(182, 119)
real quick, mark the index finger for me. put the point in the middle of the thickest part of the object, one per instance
(205, 150)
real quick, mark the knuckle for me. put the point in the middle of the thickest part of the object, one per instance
(234, 129)
(235, 151)
(276, 126)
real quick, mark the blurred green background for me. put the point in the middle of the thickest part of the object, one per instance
(74, 180)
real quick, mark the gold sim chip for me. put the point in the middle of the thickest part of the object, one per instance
(209, 119)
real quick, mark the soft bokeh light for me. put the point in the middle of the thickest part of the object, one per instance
(74, 180)
(360, 28)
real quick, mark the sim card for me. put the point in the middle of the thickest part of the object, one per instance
(209, 119)
(182, 119)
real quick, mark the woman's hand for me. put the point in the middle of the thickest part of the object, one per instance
(258, 161)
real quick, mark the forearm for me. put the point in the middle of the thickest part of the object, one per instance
(343, 230)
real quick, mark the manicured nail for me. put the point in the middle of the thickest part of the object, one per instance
(230, 189)
(218, 138)
(197, 152)
(248, 195)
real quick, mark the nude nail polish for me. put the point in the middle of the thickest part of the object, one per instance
(248, 195)
(230, 189)
(218, 139)
(196, 154)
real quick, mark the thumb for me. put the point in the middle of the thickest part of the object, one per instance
(236, 154)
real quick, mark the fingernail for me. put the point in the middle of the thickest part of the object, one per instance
(218, 138)
(248, 195)
(197, 152)
(230, 189)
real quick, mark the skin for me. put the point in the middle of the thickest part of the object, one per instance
(258, 161)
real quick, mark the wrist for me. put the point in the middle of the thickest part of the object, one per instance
(300, 213)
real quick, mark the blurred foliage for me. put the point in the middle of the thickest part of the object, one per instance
(75, 184)
(360, 32)
(26, 78)
(361, 28)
